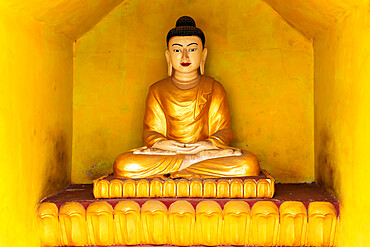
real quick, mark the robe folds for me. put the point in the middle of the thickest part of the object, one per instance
(188, 116)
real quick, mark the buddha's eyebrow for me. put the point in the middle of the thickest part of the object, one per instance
(192, 44)
(177, 44)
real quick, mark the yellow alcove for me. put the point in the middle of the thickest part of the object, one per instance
(265, 65)
(75, 76)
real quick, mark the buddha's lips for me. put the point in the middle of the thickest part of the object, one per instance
(185, 64)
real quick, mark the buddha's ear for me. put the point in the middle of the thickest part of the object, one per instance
(203, 62)
(169, 64)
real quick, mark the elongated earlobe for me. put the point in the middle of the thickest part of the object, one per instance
(169, 69)
(169, 64)
(202, 68)
(203, 62)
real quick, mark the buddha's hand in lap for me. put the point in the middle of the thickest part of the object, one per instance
(195, 152)
(208, 154)
(184, 148)
(153, 151)
(169, 147)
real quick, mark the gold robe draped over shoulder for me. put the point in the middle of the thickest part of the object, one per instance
(197, 114)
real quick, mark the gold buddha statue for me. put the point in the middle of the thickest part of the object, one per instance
(187, 128)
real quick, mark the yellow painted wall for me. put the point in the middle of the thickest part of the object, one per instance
(72, 18)
(35, 122)
(265, 65)
(313, 16)
(342, 120)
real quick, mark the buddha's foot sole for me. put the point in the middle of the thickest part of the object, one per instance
(262, 186)
(299, 215)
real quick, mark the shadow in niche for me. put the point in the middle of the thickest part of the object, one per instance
(325, 162)
(57, 171)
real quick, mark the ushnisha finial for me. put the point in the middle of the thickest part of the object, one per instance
(185, 26)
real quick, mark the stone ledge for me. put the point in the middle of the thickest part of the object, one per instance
(73, 217)
(262, 186)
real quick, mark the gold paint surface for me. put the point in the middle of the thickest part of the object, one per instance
(181, 223)
(156, 188)
(208, 223)
(183, 188)
(165, 108)
(237, 221)
(72, 217)
(169, 188)
(129, 188)
(188, 116)
(265, 224)
(322, 223)
(223, 188)
(142, 188)
(101, 188)
(293, 223)
(154, 220)
(263, 188)
(250, 188)
(115, 188)
(207, 188)
(236, 188)
(48, 223)
(196, 188)
(127, 223)
(210, 188)
(99, 218)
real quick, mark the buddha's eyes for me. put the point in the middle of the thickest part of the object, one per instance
(176, 50)
(193, 49)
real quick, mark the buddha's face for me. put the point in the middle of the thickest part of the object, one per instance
(186, 53)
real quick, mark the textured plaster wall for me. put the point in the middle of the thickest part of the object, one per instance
(342, 120)
(72, 18)
(312, 16)
(35, 122)
(265, 65)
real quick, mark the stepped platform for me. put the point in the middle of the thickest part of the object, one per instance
(298, 215)
(262, 186)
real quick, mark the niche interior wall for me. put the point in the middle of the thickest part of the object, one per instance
(35, 122)
(265, 65)
(323, 45)
(36, 67)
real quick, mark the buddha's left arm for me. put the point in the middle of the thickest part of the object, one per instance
(220, 130)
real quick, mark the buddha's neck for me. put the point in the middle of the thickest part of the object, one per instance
(186, 81)
(184, 85)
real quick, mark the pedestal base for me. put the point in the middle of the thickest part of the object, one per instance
(298, 215)
(262, 186)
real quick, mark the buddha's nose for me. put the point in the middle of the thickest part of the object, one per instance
(185, 54)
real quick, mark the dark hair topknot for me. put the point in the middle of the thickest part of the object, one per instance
(185, 26)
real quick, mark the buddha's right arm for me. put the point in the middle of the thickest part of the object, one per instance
(154, 120)
(151, 137)
(155, 123)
